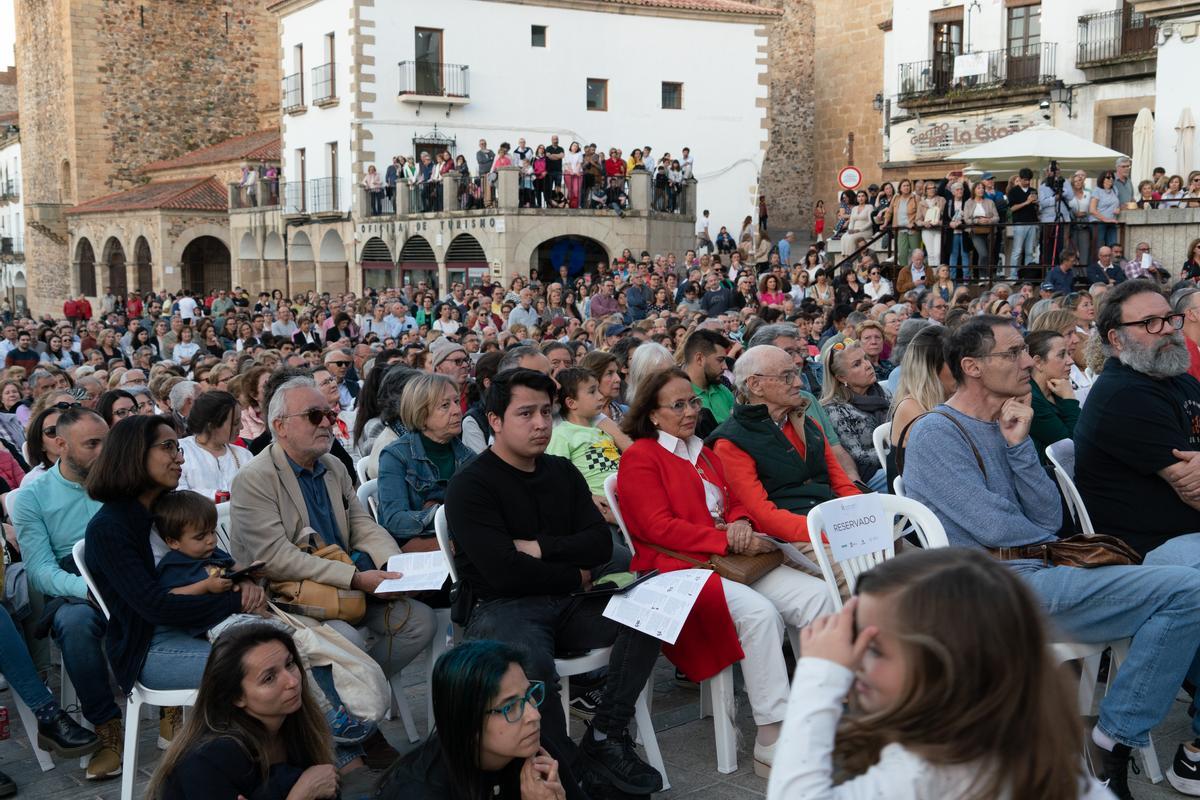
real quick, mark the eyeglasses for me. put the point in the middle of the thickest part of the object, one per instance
(50, 430)
(122, 413)
(788, 376)
(513, 710)
(168, 446)
(679, 406)
(1155, 325)
(458, 361)
(315, 415)
(338, 363)
(1011, 354)
(63, 405)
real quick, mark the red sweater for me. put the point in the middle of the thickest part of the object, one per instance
(662, 502)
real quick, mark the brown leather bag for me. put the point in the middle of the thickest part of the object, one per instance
(737, 568)
(320, 601)
(1082, 550)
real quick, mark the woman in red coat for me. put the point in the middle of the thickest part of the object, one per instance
(673, 496)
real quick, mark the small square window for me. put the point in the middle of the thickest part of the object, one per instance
(538, 36)
(597, 94)
(672, 96)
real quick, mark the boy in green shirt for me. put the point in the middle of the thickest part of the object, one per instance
(579, 439)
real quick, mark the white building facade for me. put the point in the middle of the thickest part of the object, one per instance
(364, 83)
(12, 225)
(1085, 66)
(1177, 22)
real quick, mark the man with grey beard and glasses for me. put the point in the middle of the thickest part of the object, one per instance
(1137, 442)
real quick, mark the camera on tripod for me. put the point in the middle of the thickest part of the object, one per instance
(1056, 181)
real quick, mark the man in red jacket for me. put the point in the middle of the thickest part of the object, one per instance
(71, 311)
(85, 308)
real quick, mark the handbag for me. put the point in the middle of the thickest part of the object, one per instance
(361, 684)
(981, 230)
(321, 601)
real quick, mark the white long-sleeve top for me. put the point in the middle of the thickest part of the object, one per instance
(803, 768)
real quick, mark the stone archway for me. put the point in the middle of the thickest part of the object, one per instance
(116, 278)
(417, 262)
(145, 269)
(302, 267)
(335, 270)
(85, 268)
(205, 265)
(579, 253)
(466, 261)
(376, 264)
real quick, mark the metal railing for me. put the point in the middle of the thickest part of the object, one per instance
(322, 83)
(324, 195)
(381, 203)
(294, 197)
(293, 92)
(435, 79)
(10, 189)
(263, 193)
(12, 245)
(1014, 66)
(1114, 34)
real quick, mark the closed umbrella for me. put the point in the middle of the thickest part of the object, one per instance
(1185, 142)
(1143, 147)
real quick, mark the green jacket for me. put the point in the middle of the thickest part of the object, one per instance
(1052, 421)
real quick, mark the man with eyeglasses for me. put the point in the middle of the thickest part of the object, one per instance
(934, 307)
(338, 362)
(51, 513)
(1138, 436)
(528, 537)
(766, 447)
(450, 358)
(295, 492)
(972, 462)
(1145, 265)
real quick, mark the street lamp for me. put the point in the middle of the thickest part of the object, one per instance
(877, 103)
(1063, 95)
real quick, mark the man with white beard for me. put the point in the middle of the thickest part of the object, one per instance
(1137, 442)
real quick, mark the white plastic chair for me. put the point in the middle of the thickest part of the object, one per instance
(360, 467)
(881, 437)
(1061, 455)
(368, 495)
(567, 667)
(920, 520)
(140, 696)
(224, 526)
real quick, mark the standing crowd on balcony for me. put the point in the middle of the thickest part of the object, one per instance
(549, 176)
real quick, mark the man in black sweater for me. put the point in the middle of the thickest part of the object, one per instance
(528, 535)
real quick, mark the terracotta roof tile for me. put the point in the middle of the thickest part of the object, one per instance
(257, 146)
(9, 118)
(191, 194)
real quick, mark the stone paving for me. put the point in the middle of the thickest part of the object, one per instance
(686, 742)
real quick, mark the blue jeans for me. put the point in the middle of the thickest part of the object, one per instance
(78, 629)
(958, 254)
(343, 754)
(175, 660)
(18, 667)
(1106, 234)
(1024, 237)
(1158, 606)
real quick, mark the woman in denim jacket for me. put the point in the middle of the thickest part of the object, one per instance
(415, 469)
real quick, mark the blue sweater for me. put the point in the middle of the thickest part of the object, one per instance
(1016, 504)
(120, 560)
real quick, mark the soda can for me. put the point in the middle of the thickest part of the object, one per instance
(3, 723)
(222, 497)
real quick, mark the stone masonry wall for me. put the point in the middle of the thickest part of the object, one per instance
(8, 90)
(787, 174)
(110, 85)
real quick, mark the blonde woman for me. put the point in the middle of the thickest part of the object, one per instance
(857, 404)
(925, 383)
(930, 215)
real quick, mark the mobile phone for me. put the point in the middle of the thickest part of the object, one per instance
(245, 571)
(862, 487)
(958, 173)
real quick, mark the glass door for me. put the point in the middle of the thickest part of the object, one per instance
(429, 61)
(947, 43)
(1024, 45)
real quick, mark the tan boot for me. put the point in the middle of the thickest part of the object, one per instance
(106, 762)
(169, 725)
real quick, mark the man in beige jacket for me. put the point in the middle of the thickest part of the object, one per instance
(294, 488)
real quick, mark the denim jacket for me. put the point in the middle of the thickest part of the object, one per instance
(407, 481)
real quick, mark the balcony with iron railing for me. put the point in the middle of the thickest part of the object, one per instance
(1116, 44)
(324, 90)
(263, 193)
(434, 82)
(10, 189)
(12, 246)
(314, 197)
(979, 78)
(293, 93)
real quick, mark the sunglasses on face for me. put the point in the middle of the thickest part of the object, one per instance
(315, 415)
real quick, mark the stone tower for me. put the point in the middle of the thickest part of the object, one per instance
(107, 86)
(825, 68)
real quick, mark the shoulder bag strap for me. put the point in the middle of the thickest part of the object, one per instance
(970, 442)
(902, 446)
(680, 556)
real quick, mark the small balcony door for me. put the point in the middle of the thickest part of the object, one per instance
(1024, 45)
(947, 43)
(429, 61)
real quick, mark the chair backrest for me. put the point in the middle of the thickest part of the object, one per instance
(81, 565)
(908, 516)
(360, 467)
(898, 486)
(882, 438)
(9, 499)
(224, 526)
(368, 495)
(610, 493)
(442, 528)
(1061, 455)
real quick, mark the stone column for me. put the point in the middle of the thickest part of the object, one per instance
(403, 198)
(689, 199)
(443, 278)
(639, 190)
(450, 183)
(508, 188)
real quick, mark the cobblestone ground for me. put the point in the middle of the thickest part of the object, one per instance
(686, 742)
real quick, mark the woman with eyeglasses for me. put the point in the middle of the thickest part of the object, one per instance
(153, 644)
(487, 735)
(115, 405)
(1103, 212)
(678, 507)
(1191, 265)
(877, 287)
(857, 404)
(41, 436)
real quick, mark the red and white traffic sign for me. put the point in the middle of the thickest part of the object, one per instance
(849, 177)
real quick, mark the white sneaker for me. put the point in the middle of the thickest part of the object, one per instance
(764, 757)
